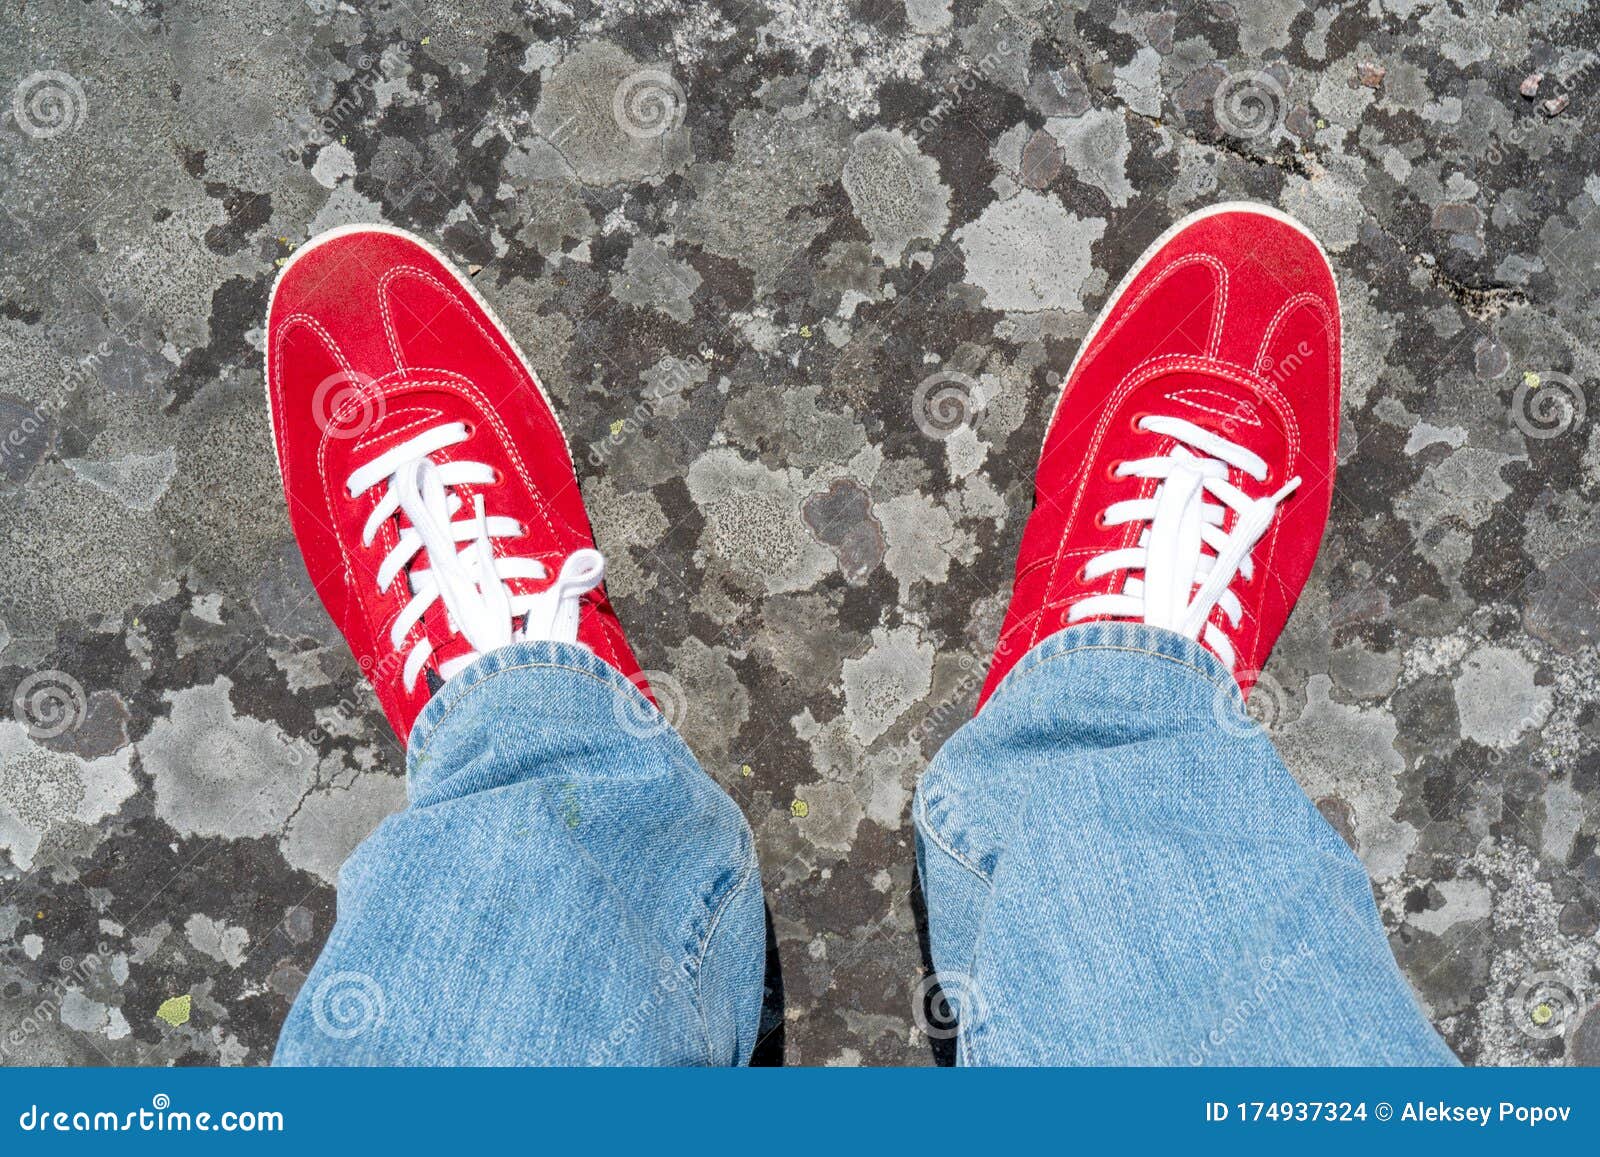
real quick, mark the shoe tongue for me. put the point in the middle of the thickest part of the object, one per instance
(448, 641)
(446, 636)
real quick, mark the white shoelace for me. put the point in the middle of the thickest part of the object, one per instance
(1186, 560)
(471, 581)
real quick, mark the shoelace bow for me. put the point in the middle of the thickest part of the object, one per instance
(1186, 561)
(472, 579)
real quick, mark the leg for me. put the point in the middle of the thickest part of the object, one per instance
(1119, 870)
(567, 887)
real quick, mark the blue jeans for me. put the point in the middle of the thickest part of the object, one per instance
(1118, 870)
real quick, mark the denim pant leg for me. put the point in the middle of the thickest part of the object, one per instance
(1120, 870)
(567, 886)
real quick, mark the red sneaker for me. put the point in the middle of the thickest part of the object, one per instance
(429, 484)
(1188, 467)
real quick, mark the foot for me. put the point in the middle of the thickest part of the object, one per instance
(430, 486)
(1188, 466)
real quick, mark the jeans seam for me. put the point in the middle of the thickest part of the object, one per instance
(974, 1061)
(1065, 651)
(483, 680)
(933, 834)
(751, 863)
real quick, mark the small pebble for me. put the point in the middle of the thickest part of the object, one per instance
(1530, 84)
(1556, 105)
(299, 924)
(1042, 159)
(1371, 74)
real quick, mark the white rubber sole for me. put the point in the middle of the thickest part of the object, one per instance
(1155, 247)
(347, 230)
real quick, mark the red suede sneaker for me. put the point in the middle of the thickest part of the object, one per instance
(429, 483)
(1188, 466)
